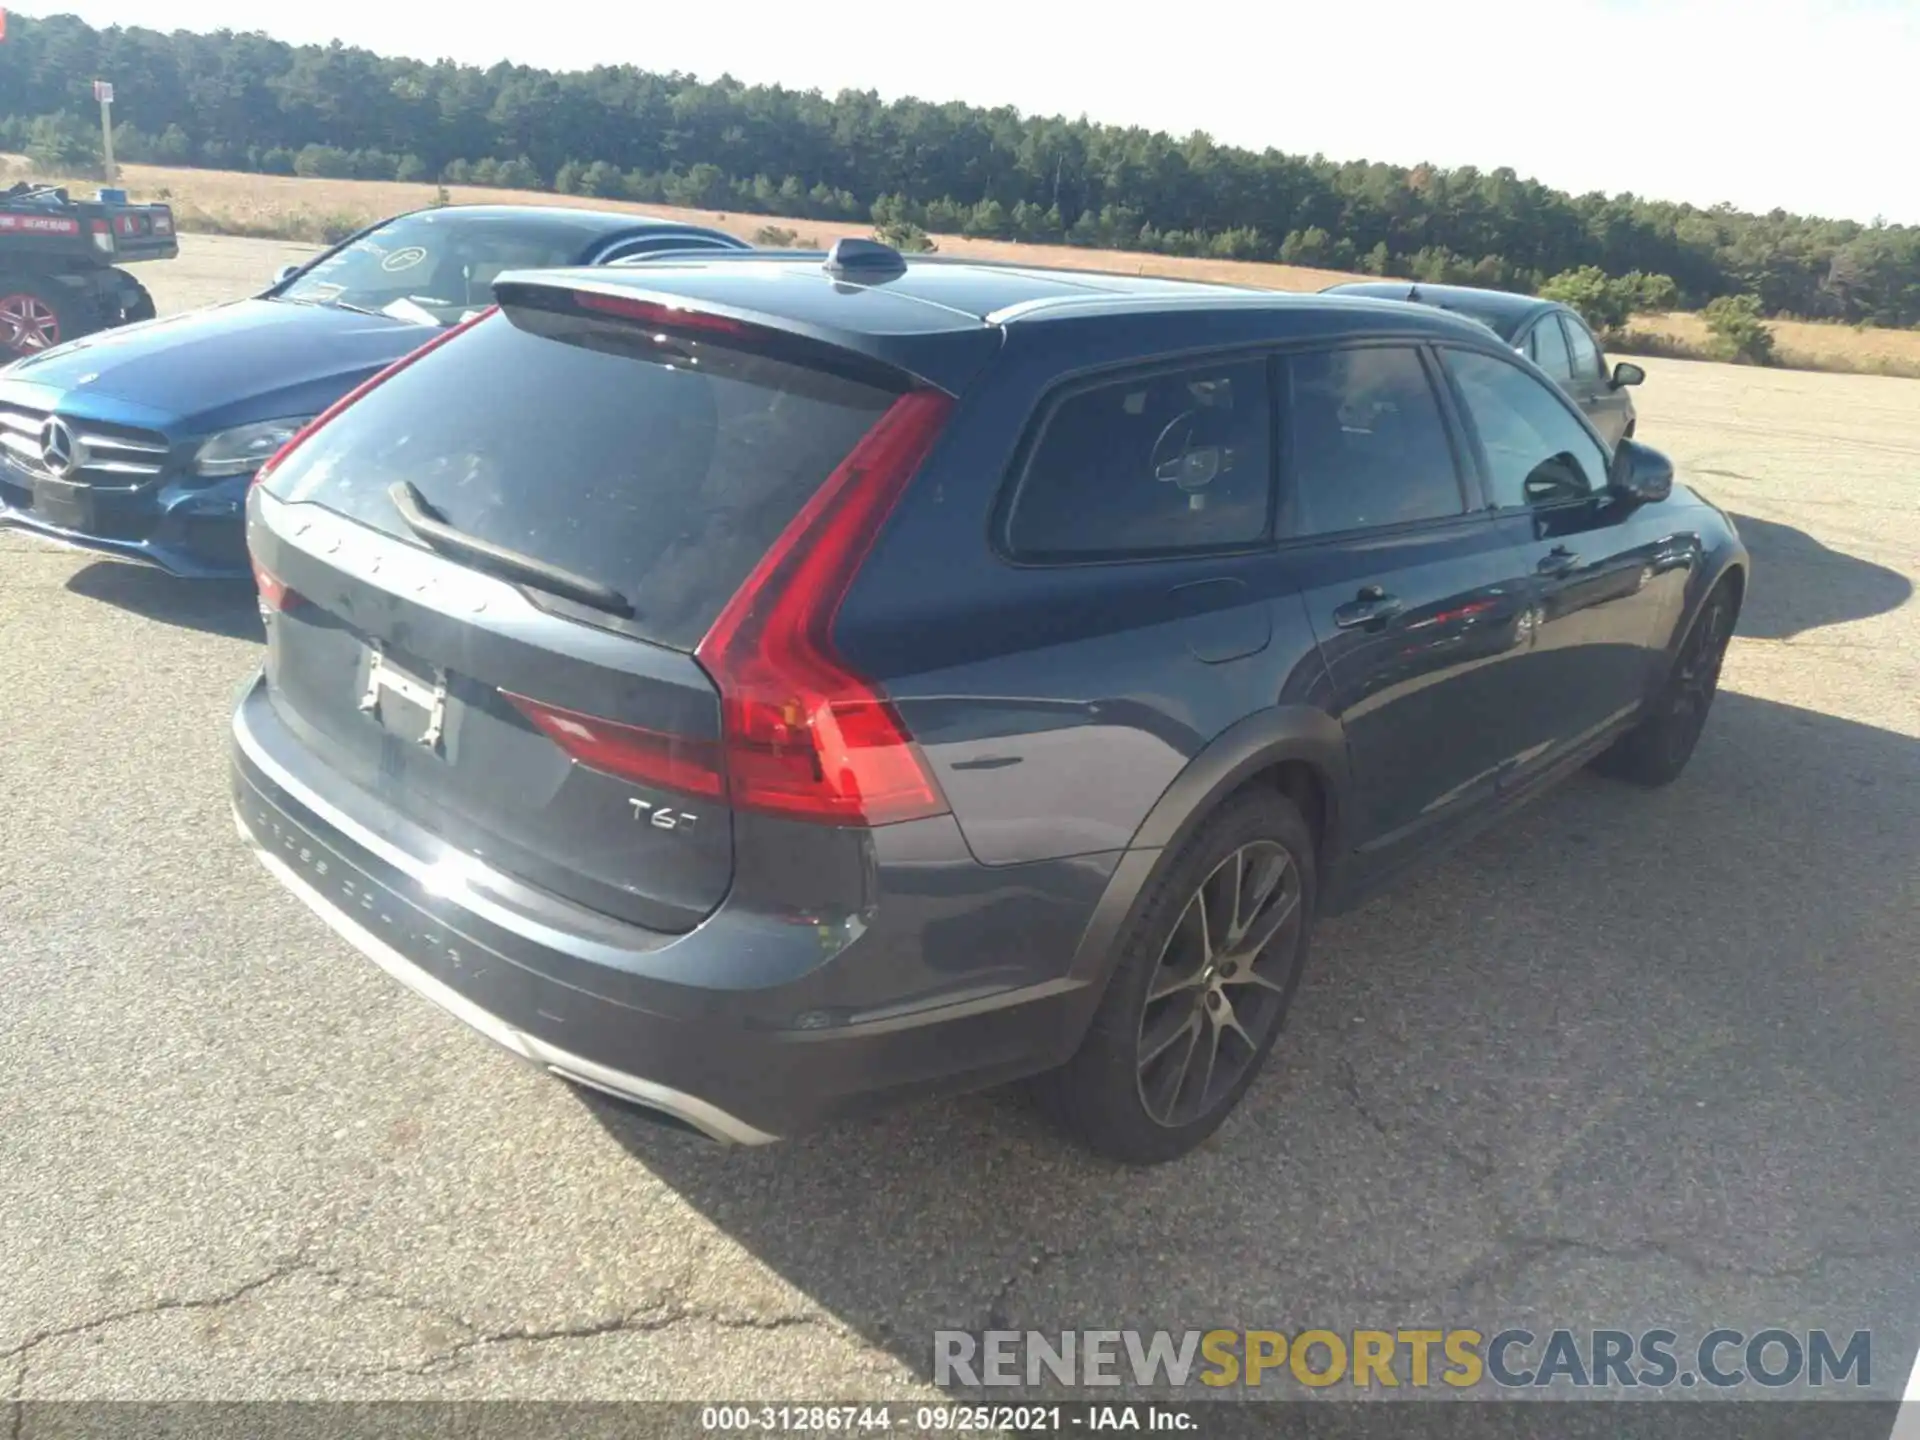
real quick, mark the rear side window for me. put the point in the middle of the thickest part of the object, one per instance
(1547, 347)
(1537, 452)
(588, 444)
(1586, 353)
(1160, 463)
(1367, 444)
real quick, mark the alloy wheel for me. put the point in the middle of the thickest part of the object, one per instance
(27, 324)
(1698, 676)
(1221, 983)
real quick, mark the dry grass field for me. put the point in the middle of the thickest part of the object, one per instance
(292, 207)
(288, 207)
(1799, 344)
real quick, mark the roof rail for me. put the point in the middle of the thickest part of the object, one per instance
(1227, 299)
(698, 252)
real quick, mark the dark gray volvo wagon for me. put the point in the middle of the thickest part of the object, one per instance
(766, 688)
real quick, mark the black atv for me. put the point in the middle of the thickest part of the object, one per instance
(60, 259)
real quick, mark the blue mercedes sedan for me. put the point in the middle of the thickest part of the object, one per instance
(140, 442)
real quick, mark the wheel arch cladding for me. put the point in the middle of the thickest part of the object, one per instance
(1300, 749)
(1734, 576)
(1297, 749)
(1307, 786)
(1730, 573)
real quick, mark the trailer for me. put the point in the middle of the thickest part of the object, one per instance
(60, 264)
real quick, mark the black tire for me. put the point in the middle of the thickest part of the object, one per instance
(37, 314)
(1115, 1097)
(142, 306)
(1656, 750)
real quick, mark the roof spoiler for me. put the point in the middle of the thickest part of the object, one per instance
(606, 293)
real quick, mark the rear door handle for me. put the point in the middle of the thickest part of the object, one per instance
(1371, 607)
(1557, 561)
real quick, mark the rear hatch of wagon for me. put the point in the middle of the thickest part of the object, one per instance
(488, 575)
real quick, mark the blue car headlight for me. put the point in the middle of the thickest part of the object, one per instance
(245, 448)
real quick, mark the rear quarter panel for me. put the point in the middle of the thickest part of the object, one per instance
(1057, 704)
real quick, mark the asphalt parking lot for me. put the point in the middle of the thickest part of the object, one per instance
(1633, 1058)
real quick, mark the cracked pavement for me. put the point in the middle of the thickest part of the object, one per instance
(1628, 1059)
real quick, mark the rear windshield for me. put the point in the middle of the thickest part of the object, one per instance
(663, 469)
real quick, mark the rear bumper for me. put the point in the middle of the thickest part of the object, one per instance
(736, 1061)
(709, 1120)
(197, 532)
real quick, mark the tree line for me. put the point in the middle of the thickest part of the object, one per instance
(246, 101)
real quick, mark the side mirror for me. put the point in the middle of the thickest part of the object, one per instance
(285, 273)
(1641, 474)
(1627, 373)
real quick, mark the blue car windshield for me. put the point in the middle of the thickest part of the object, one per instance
(436, 267)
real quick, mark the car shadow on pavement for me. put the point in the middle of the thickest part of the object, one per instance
(1803, 585)
(1631, 1057)
(219, 607)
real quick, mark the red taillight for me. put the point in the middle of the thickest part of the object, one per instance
(633, 753)
(805, 736)
(650, 312)
(301, 435)
(275, 594)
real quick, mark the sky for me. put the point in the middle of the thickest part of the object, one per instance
(1804, 105)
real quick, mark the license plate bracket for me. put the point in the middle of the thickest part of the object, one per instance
(387, 681)
(62, 504)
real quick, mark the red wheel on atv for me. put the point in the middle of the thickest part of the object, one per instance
(35, 318)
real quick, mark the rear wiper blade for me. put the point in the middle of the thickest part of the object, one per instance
(432, 527)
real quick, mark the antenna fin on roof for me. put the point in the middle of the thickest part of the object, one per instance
(853, 256)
